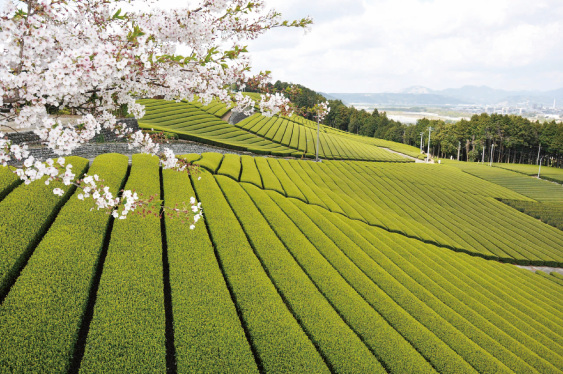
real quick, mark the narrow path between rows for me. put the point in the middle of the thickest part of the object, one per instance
(545, 269)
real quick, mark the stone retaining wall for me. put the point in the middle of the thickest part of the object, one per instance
(105, 135)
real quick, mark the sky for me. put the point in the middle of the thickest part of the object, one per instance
(369, 46)
(373, 46)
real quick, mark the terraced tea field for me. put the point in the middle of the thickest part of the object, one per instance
(335, 144)
(550, 213)
(191, 123)
(549, 173)
(536, 189)
(297, 267)
(257, 134)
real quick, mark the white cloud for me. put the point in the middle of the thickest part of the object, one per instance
(386, 45)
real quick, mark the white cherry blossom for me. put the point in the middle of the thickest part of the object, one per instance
(94, 58)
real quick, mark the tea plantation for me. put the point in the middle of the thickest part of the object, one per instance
(297, 267)
(258, 134)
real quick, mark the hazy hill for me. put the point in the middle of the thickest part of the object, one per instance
(397, 99)
(483, 95)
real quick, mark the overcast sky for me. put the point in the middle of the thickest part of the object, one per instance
(389, 45)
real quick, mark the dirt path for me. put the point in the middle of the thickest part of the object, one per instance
(407, 156)
(545, 269)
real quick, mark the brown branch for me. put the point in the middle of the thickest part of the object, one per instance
(10, 127)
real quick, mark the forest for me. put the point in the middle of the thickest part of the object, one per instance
(511, 138)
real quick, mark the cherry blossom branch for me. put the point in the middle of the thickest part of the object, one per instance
(90, 56)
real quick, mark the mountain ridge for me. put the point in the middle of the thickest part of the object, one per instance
(467, 94)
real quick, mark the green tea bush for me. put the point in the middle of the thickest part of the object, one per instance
(338, 344)
(210, 161)
(8, 181)
(468, 315)
(278, 340)
(25, 214)
(41, 316)
(208, 335)
(391, 349)
(250, 172)
(428, 333)
(127, 332)
(270, 180)
(288, 185)
(231, 166)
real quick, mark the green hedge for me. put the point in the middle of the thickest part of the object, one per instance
(271, 182)
(8, 181)
(306, 189)
(249, 120)
(231, 166)
(208, 335)
(467, 274)
(278, 340)
(556, 277)
(298, 167)
(210, 161)
(191, 157)
(41, 316)
(557, 282)
(250, 172)
(324, 182)
(467, 315)
(278, 137)
(289, 186)
(286, 140)
(440, 343)
(25, 215)
(127, 332)
(338, 344)
(395, 353)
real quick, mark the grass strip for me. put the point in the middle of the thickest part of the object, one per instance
(250, 172)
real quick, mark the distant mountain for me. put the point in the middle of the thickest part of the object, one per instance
(397, 99)
(328, 96)
(483, 95)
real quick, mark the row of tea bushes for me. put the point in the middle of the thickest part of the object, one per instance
(41, 316)
(127, 332)
(25, 215)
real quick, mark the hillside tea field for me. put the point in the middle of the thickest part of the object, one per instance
(297, 267)
(259, 134)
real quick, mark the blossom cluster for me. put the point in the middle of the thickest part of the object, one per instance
(321, 110)
(89, 56)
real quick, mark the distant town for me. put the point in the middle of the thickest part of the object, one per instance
(453, 104)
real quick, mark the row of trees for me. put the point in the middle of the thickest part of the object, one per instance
(512, 138)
